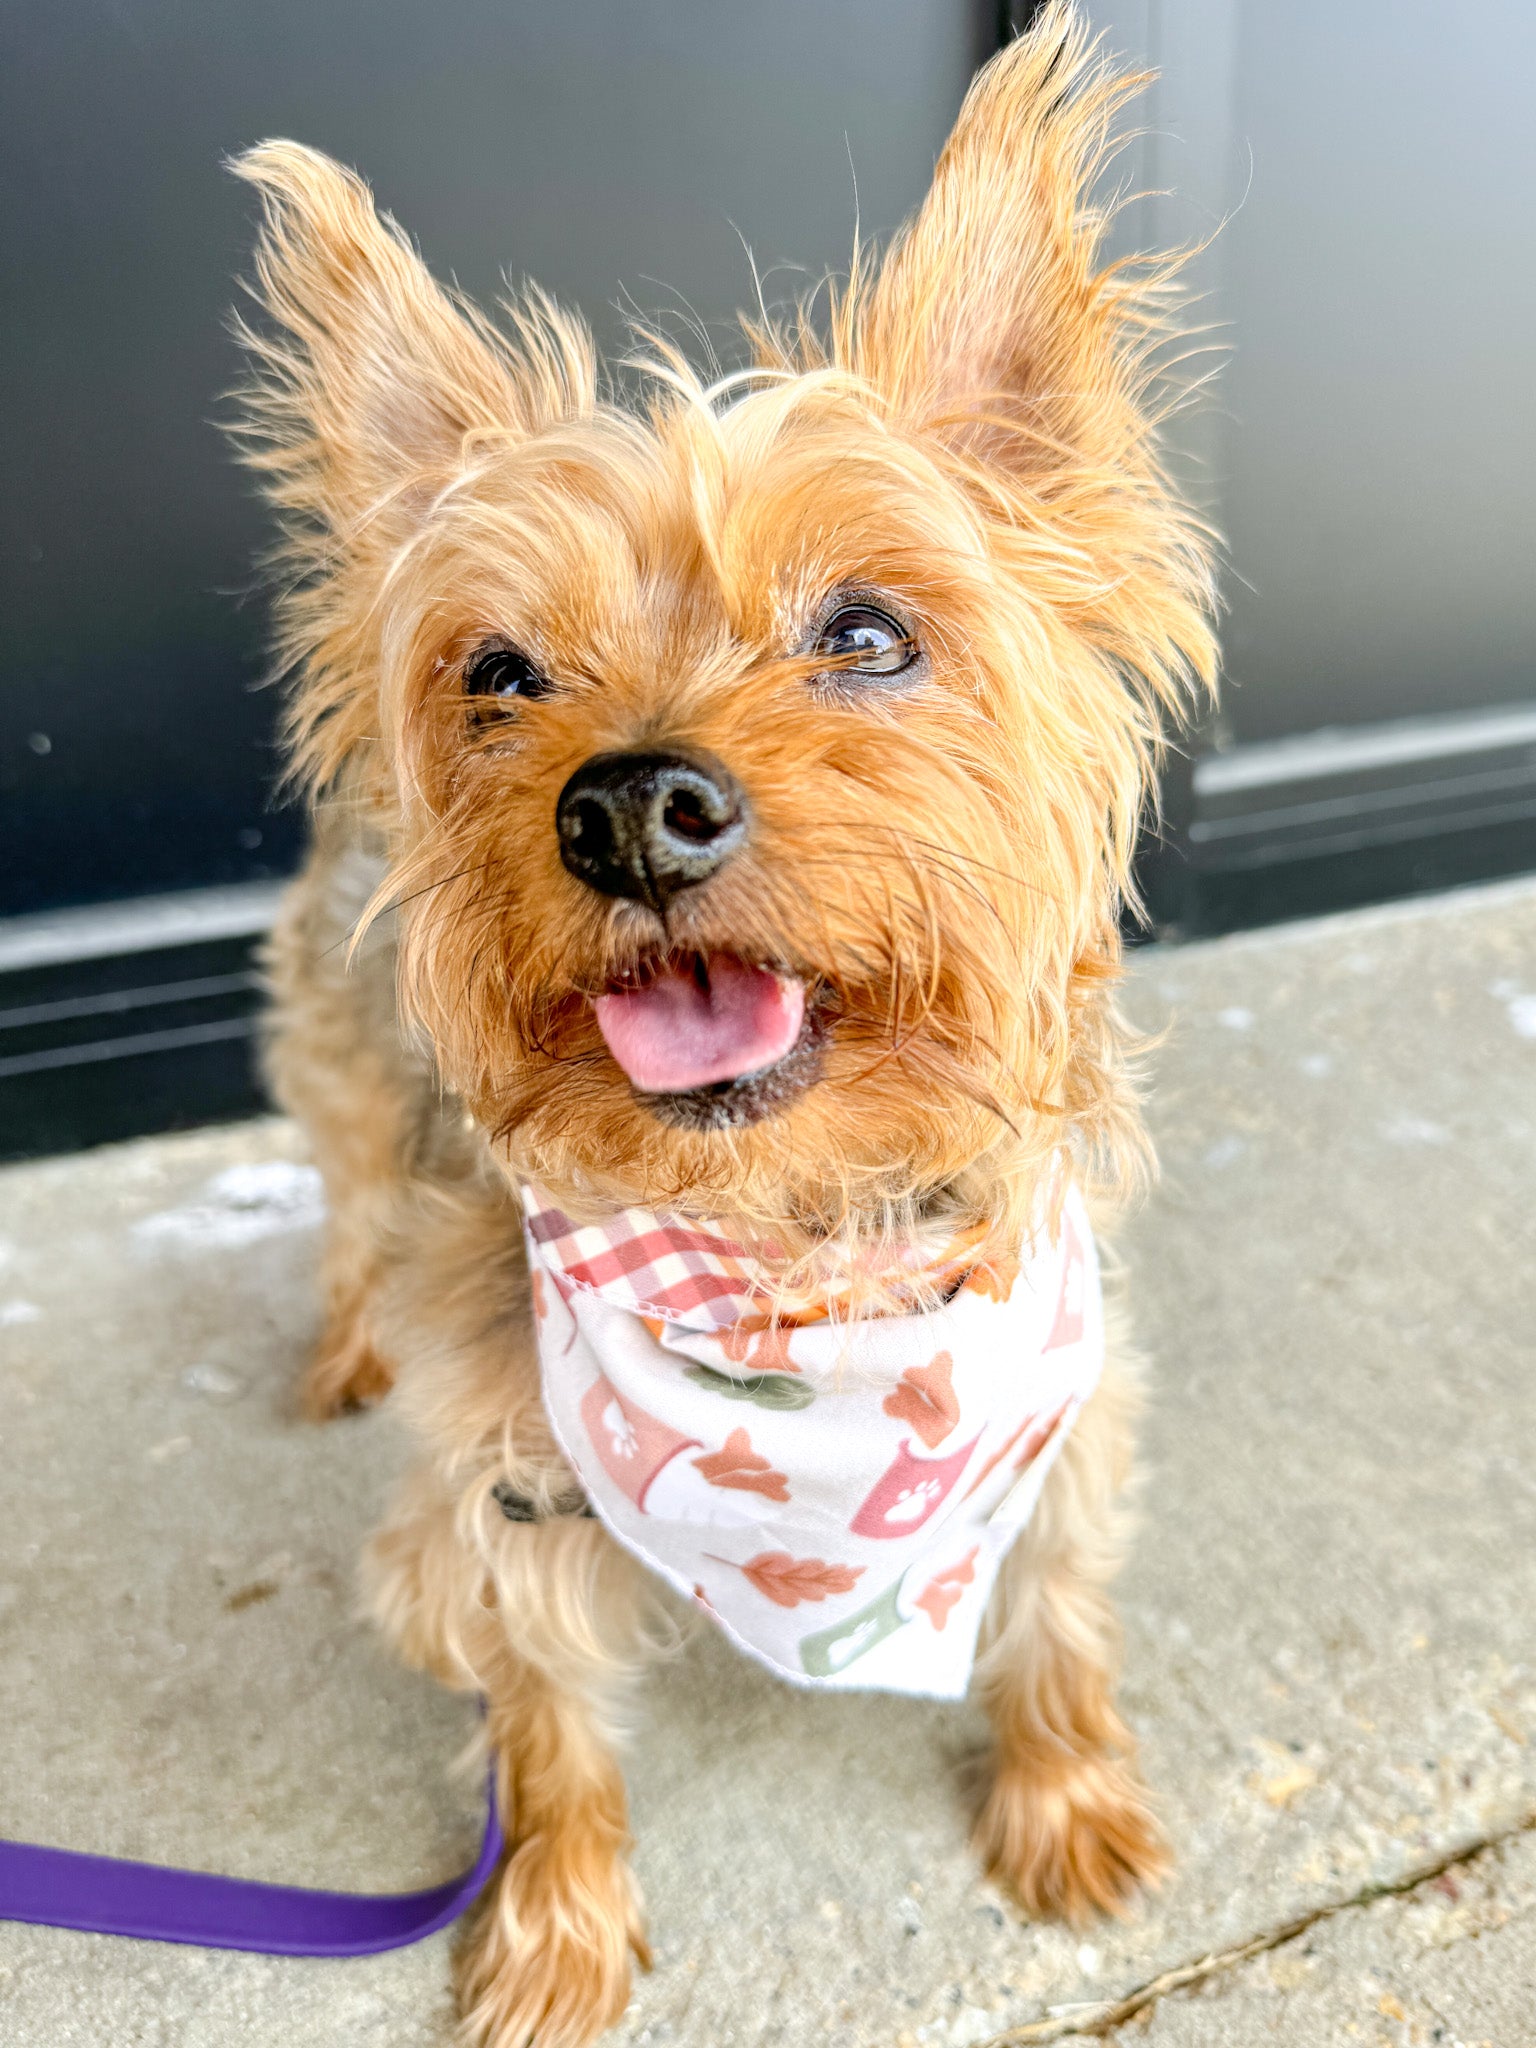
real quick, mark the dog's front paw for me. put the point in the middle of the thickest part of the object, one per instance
(546, 1963)
(1074, 1840)
(345, 1373)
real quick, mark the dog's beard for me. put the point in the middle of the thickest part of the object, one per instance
(763, 1032)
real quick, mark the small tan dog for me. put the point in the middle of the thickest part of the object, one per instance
(723, 810)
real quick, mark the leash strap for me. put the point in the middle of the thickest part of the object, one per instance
(151, 1902)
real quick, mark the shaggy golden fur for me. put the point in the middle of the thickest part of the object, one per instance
(970, 445)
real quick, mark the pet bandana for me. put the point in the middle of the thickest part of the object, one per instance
(838, 1495)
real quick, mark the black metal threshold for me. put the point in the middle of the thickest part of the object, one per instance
(120, 1019)
(1338, 819)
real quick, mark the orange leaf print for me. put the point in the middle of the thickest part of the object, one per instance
(943, 1590)
(786, 1580)
(764, 1345)
(925, 1399)
(994, 1277)
(737, 1464)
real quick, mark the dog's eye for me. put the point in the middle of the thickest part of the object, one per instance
(865, 642)
(500, 671)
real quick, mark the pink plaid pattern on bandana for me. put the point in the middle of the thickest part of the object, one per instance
(653, 1265)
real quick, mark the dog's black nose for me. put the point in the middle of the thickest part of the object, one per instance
(648, 825)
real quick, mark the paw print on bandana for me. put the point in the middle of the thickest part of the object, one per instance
(908, 1492)
(825, 1653)
(634, 1447)
(622, 1441)
(854, 1644)
(914, 1503)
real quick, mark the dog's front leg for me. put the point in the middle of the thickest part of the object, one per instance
(547, 1958)
(368, 1102)
(553, 1624)
(1066, 1823)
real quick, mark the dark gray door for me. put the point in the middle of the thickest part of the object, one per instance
(1369, 451)
(1380, 492)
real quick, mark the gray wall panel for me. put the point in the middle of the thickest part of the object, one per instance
(1369, 445)
(1380, 487)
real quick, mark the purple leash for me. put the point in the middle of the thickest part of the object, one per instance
(153, 1902)
(103, 1895)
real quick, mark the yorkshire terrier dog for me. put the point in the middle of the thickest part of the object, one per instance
(699, 994)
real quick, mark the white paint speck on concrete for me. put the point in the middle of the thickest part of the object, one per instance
(247, 1202)
(14, 1313)
(1522, 1014)
(1236, 1018)
(1225, 1151)
(971, 2025)
(1414, 1130)
(213, 1383)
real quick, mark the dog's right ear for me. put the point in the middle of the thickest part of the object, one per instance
(371, 375)
(369, 385)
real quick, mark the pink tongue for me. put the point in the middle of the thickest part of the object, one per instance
(671, 1035)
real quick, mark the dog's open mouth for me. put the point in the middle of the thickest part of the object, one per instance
(712, 1040)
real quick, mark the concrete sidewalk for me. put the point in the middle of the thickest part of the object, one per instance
(1329, 1613)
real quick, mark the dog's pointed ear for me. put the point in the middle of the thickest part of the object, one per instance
(991, 320)
(996, 329)
(369, 376)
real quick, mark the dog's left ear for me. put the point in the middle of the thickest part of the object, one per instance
(991, 307)
(996, 327)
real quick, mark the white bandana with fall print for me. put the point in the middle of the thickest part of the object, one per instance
(838, 1495)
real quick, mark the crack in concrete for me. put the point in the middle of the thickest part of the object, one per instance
(1097, 2021)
